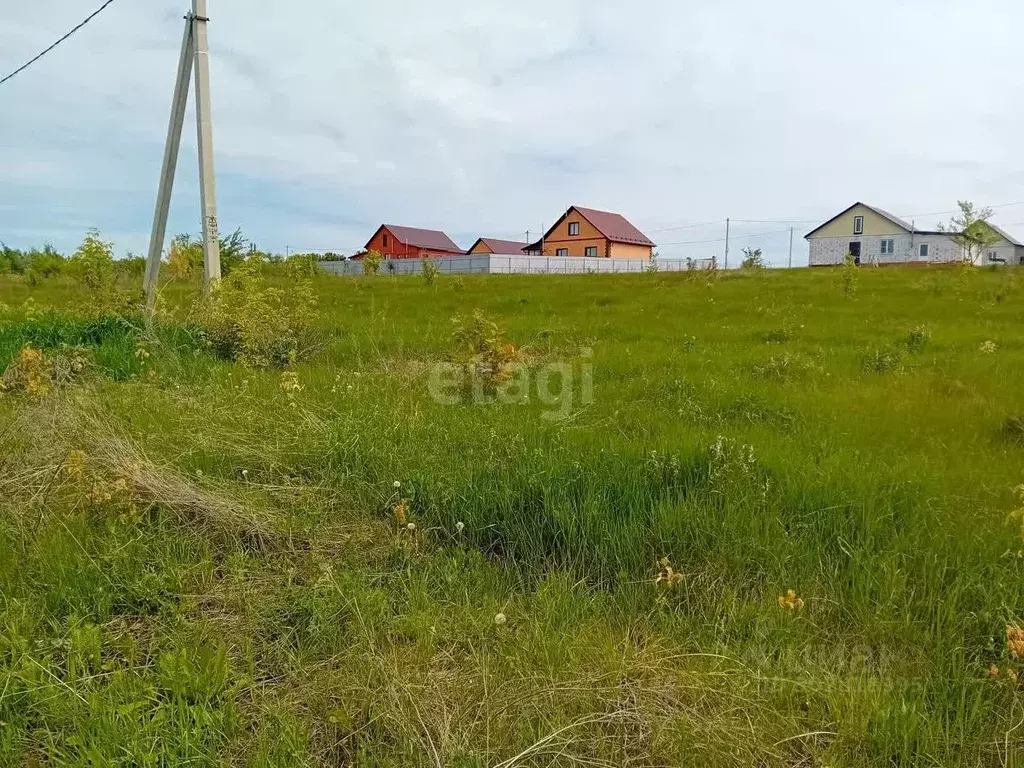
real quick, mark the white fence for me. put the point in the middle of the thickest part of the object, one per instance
(497, 264)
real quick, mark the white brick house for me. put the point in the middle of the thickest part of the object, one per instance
(874, 236)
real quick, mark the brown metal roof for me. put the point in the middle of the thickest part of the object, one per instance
(494, 245)
(431, 239)
(612, 225)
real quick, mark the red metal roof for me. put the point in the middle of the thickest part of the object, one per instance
(613, 226)
(494, 245)
(431, 239)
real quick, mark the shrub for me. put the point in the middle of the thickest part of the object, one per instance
(92, 264)
(247, 320)
(752, 259)
(371, 263)
(430, 271)
(776, 335)
(186, 257)
(1013, 430)
(303, 265)
(481, 345)
(917, 340)
(44, 263)
(131, 266)
(882, 360)
(9, 260)
(30, 373)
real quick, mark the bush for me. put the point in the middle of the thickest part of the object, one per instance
(882, 360)
(131, 266)
(752, 259)
(92, 264)
(303, 265)
(371, 263)
(430, 271)
(917, 340)
(480, 344)
(186, 257)
(247, 320)
(1013, 430)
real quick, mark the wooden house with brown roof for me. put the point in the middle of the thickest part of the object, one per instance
(585, 232)
(394, 242)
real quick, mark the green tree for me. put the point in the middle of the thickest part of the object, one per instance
(971, 231)
(752, 259)
(93, 263)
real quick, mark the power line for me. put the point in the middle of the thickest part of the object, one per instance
(776, 221)
(29, 63)
(722, 239)
(689, 226)
(944, 213)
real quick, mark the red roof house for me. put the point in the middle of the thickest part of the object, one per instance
(394, 242)
(601, 234)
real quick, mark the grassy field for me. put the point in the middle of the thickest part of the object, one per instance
(361, 562)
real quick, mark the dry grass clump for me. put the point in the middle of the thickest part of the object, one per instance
(65, 444)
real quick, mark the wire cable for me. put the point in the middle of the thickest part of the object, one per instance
(29, 63)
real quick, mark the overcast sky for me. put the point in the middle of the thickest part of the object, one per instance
(488, 117)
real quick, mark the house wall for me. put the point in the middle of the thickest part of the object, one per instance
(589, 236)
(479, 248)
(831, 251)
(630, 251)
(873, 225)
(1009, 254)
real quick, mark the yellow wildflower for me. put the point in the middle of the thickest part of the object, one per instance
(790, 601)
(1015, 641)
(290, 382)
(75, 464)
(401, 511)
(667, 577)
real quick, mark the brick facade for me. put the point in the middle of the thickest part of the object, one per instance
(831, 251)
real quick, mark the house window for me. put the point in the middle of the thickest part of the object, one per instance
(924, 250)
(387, 241)
(888, 247)
(574, 229)
(993, 256)
(562, 252)
(858, 225)
(591, 250)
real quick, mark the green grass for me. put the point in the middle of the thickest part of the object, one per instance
(226, 583)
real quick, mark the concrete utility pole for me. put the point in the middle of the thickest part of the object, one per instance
(790, 247)
(194, 53)
(204, 126)
(726, 243)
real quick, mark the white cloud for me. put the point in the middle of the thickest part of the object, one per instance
(491, 117)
